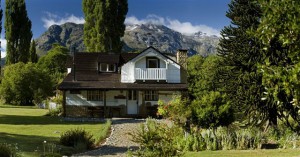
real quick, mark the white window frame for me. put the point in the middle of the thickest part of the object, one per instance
(95, 95)
(106, 66)
(151, 95)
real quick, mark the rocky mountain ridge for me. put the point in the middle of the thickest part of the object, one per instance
(136, 37)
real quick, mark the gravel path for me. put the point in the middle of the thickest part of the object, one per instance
(119, 141)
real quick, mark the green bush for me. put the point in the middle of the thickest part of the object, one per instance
(54, 112)
(7, 150)
(77, 138)
(157, 140)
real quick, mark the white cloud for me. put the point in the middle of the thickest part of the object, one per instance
(154, 19)
(3, 47)
(51, 19)
(182, 27)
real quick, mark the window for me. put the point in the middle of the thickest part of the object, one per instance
(152, 63)
(104, 67)
(151, 96)
(131, 95)
(94, 95)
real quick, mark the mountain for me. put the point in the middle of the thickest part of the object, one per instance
(136, 37)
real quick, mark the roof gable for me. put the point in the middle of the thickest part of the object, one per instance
(153, 52)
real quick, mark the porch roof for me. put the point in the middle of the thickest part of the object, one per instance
(109, 81)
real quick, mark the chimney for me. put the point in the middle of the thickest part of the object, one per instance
(181, 57)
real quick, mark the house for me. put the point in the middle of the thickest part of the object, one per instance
(122, 85)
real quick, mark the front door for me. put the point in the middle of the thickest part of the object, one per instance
(132, 106)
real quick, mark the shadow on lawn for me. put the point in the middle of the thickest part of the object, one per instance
(26, 143)
(40, 120)
(108, 150)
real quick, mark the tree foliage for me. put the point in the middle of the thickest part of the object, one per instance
(17, 32)
(104, 24)
(202, 75)
(55, 60)
(1, 14)
(210, 108)
(279, 32)
(33, 56)
(54, 63)
(241, 53)
(178, 110)
(25, 84)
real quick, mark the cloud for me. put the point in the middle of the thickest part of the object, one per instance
(51, 19)
(153, 19)
(3, 47)
(182, 27)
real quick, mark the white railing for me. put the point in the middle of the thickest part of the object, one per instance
(150, 74)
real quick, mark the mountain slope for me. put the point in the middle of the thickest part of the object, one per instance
(136, 37)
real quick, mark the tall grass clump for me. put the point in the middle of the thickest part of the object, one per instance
(7, 150)
(77, 138)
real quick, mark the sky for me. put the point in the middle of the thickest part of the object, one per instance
(185, 16)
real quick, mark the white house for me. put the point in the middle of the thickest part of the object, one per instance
(122, 85)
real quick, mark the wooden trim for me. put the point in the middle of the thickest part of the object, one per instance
(64, 104)
(104, 115)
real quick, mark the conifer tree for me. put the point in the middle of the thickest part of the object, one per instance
(1, 14)
(241, 52)
(17, 31)
(104, 24)
(33, 55)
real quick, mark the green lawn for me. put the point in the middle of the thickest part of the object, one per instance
(247, 153)
(29, 128)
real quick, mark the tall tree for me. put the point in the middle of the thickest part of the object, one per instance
(17, 31)
(279, 32)
(1, 14)
(33, 55)
(104, 24)
(241, 52)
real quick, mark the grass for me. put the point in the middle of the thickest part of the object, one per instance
(29, 128)
(247, 153)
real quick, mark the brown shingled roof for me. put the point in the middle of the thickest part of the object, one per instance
(88, 77)
(95, 80)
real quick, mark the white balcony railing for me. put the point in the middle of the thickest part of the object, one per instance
(150, 74)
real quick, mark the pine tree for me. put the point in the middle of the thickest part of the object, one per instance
(33, 55)
(104, 24)
(17, 31)
(241, 52)
(1, 14)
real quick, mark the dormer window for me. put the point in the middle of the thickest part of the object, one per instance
(152, 62)
(104, 67)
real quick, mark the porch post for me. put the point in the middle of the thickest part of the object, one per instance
(64, 104)
(104, 114)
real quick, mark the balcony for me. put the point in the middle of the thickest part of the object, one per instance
(150, 74)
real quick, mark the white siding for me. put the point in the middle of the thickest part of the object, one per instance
(127, 73)
(81, 99)
(141, 63)
(173, 73)
(128, 69)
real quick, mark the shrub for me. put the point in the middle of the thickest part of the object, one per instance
(7, 150)
(54, 112)
(157, 140)
(77, 138)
